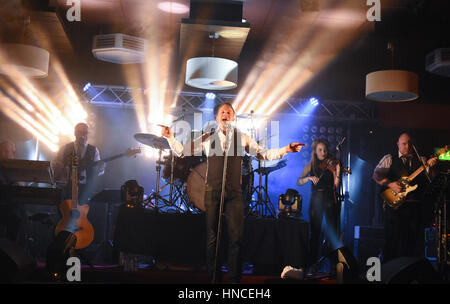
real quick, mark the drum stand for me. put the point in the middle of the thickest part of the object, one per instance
(155, 195)
(176, 197)
(262, 206)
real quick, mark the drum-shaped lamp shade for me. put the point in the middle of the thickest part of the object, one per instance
(392, 86)
(29, 60)
(211, 73)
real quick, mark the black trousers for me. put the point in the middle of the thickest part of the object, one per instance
(321, 204)
(401, 228)
(233, 222)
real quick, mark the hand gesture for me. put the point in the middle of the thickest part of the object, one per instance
(166, 131)
(294, 147)
(314, 179)
(432, 161)
(396, 187)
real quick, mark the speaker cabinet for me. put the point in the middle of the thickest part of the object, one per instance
(15, 265)
(408, 270)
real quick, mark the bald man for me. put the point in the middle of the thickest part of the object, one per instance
(402, 226)
(87, 155)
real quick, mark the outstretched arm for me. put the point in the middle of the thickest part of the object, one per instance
(254, 149)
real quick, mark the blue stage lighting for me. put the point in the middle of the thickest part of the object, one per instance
(210, 95)
(314, 101)
(86, 86)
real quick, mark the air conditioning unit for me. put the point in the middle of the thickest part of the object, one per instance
(438, 62)
(119, 48)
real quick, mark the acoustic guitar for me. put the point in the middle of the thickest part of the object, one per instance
(394, 199)
(74, 217)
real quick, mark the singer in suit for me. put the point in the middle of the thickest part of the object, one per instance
(213, 144)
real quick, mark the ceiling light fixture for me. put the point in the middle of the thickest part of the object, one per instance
(211, 73)
(392, 85)
(31, 61)
(173, 7)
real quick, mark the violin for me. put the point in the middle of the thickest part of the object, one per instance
(331, 163)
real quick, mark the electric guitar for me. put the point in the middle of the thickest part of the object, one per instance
(129, 153)
(74, 217)
(394, 199)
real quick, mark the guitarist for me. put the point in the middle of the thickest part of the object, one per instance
(86, 154)
(402, 226)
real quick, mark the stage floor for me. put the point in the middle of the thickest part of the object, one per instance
(162, 273)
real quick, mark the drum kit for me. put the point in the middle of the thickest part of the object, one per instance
(176, 172)
(185, 177)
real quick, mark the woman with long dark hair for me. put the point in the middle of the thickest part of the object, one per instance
(324, 176)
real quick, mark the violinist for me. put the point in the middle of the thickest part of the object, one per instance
(324, 173)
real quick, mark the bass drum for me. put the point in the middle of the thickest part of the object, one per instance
(181, 168)
(195, 186)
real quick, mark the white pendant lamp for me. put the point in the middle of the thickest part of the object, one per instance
(211, 73)
(29, 60)
(392, 86)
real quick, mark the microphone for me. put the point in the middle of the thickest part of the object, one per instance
(340, 143)
(229, 126)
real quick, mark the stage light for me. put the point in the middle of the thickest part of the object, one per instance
(86, 86)
(322, 129)
(339, 131)
(132, 194)
(210, 95)
(290, 204)
(314, 101)
(305, 128)
(330, 130)
(313, 129)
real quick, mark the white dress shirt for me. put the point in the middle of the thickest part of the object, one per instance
(244, 142)
(386, 161)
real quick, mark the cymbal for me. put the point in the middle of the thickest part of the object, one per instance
(252, 115)
(151, 140)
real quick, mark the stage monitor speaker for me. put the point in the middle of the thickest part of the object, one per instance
(15, 265)
(408, 270)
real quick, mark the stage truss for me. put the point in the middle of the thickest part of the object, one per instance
(331, 110)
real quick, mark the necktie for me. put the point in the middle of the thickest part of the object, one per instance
(406, 161)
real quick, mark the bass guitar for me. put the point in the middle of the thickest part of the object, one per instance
(394, 199)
